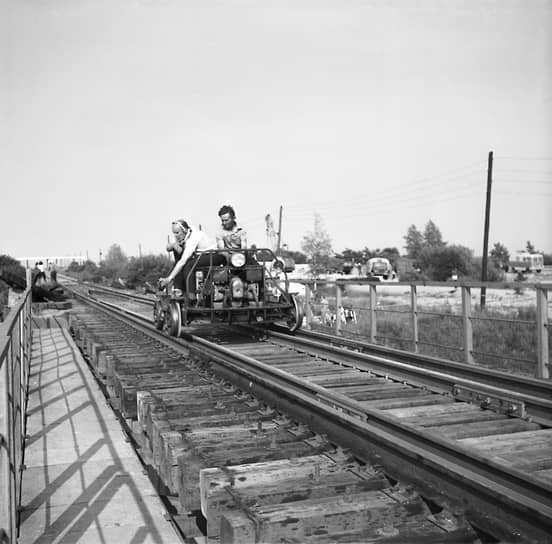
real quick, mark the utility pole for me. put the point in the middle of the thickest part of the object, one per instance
(279, 232)
(140, 250)
(486, 230)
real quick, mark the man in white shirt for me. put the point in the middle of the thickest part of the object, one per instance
(187, 240)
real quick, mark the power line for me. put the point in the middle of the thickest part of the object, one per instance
(524, 158)
(522, 193)
(379, 198)
(376, 211)
(519, 171)
(525, 181)
(369, 202)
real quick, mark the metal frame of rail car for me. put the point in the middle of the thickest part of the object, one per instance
(246, 286)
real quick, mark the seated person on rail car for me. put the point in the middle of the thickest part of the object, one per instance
(231, 235)
(187, 240)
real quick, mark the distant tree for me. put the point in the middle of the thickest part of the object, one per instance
(12, 272)
(74, 267)
(90, 272)
(317, 245)
(414, 242)
(297, 256)
(12, 275)
(114, 262)
(530, 248)
(146, 269)
(438, 263)
(500, 256)
(432, 236)
(87, 271)
(548, 259)
(390, 253)
(353, 256)
(493, 273)
(368, 253)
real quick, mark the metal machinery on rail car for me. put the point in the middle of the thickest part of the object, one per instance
(247, 286)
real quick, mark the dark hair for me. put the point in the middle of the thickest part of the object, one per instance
(227, 209)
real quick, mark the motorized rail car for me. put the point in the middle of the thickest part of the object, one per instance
(247, 286)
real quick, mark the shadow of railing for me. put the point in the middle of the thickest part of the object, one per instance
(91, 470)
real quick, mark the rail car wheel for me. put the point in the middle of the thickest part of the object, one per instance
(296, 316)
(173, 320)
(158, 316)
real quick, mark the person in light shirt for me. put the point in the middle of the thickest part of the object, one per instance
(231, 235)
(187, 240)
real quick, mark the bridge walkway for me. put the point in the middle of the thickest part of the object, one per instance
(83, 481)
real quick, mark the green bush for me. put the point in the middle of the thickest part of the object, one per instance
(148, 268)
(12, 272)
(493, 273)
(88, 271)
(438, 263)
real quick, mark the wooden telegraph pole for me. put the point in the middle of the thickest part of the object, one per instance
(486, 230)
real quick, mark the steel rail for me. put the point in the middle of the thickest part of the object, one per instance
(472, 476)
(530, 388)
(439, 373)
(110, 291)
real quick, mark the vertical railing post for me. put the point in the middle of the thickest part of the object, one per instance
(308, 309)
(543, 356)
(414, 316)
(338, 293)
(467, 323)
(373, 318)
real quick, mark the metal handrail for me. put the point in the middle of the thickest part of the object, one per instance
(541, 322)
(15, 355)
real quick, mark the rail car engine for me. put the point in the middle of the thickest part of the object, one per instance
(247, 286)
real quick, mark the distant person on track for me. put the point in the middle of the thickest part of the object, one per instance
(38, 283)
(38, 275)
(231, 235)
(43, 290)
(187, 240)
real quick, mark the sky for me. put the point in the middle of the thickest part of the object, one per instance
(118, 116)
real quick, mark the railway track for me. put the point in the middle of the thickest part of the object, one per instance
(274, 438)
(516, 395)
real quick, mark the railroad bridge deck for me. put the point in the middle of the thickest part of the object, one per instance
(83, 480)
